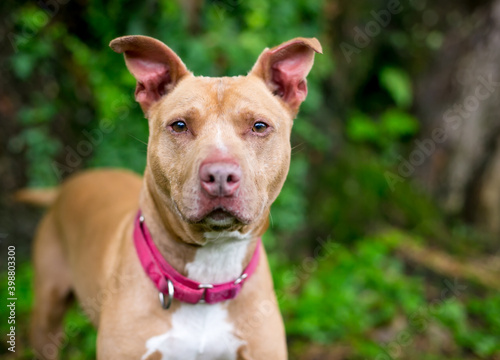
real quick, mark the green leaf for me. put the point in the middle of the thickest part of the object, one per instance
(398, 84)
(397, 123)
(360, 127)
(23, 65)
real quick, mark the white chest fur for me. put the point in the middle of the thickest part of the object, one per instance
(198, 332)
(204, 331)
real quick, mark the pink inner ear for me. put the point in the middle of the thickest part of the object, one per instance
(289, 75)
(152, 79)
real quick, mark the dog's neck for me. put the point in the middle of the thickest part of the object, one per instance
(222, 257)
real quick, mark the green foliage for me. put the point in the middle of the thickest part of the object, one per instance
(41, 150)
(344, 293)
(365, 276)
(80, 342)
(392, 126)
(478, 331)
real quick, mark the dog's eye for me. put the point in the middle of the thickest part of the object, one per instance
(259, 127)
(179, 126)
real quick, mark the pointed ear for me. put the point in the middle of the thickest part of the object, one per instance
(284, 69)
(154, 65)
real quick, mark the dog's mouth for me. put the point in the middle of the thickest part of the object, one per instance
(220, 218)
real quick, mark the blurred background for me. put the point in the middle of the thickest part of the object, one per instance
(384, 240)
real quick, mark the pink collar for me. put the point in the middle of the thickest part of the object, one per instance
(170, 282)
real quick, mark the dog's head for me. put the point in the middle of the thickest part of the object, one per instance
(219, 148)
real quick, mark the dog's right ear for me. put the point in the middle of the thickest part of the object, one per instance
(154, 65)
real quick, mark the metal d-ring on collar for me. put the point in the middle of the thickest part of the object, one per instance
(161, 296)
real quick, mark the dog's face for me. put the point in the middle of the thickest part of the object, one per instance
(226, 127)
(219, 148)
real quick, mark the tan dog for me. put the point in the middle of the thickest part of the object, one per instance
(218, 155)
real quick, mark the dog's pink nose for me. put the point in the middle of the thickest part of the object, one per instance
(220, 178)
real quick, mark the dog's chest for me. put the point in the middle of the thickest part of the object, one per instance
(198, 332)
(204, 331)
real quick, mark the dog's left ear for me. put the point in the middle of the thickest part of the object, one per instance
(155, 66)
(284, 69)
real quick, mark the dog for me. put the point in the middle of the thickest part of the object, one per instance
(170, 265)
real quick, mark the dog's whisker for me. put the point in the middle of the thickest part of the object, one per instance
(133, 137)
(271, 218)
(297, 148)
